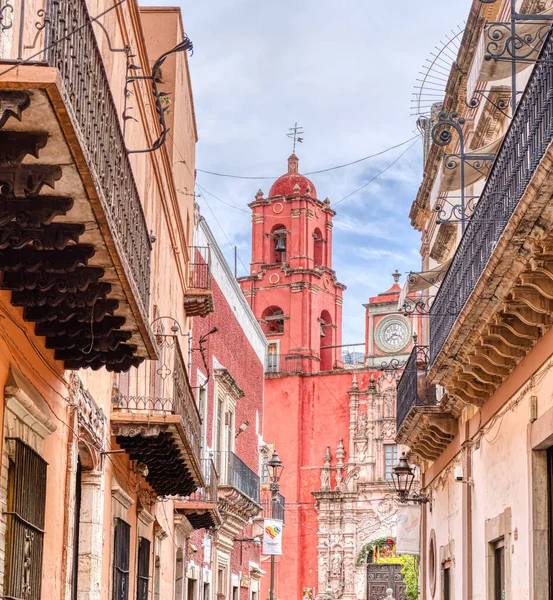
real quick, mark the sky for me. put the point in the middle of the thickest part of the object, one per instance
(345, 72)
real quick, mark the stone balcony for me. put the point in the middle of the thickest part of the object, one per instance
(500, 282)
(74, 244)
(201, 507)
(155, 419)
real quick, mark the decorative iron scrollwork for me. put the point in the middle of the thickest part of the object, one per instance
(6, 15)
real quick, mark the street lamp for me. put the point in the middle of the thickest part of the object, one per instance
(275, 468)
(403, 477)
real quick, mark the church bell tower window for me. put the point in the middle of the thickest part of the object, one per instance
(279, 244)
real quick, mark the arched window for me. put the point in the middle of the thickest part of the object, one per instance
(273, 320)
(327, 340)
(318, 252)
(279, 244)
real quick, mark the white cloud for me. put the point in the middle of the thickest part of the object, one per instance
(345, 71)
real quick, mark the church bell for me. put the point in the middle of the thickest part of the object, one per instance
(280, 244)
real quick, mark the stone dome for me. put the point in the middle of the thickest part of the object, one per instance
(292, 183)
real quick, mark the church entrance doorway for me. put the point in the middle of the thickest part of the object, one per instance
(380, 578)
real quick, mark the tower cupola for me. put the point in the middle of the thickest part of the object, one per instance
(292, 183)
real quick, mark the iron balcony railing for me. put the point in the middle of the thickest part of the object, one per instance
(162, 387)
(529, 134)
(200, 268)
(209, 493)
(412, 388)
(279, 506)
(60, 34)
(235, 473)
(283, 363)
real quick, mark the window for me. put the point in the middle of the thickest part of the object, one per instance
(143, 571)
(25, 522)
(235, 595)
(447, 580)
(219, 434)
(202, 409)
(121, 545)
(77, 522)
(318, 248)
(272, 358)
(499, 570)
(390, 457)
(206, 593)
(265, 469)
(179, 575)
(191, 590)
(221, 583)
(157, 578)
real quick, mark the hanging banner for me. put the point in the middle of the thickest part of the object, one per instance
(272, 536)
(408, 530)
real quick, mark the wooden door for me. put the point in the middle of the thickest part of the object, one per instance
(380, 578)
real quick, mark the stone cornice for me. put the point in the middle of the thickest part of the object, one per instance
(223, 376)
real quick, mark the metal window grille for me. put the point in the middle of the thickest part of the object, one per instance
(25, 523)
(143, 577)
(121, 546)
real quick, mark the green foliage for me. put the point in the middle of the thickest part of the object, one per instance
(368, 550)
(410, 574)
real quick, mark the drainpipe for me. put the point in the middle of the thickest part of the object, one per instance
(467, 517)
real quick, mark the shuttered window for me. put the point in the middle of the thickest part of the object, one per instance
(25, 523)
(121, 545)
(143, 578)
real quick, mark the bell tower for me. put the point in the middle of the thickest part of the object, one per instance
(291, 288)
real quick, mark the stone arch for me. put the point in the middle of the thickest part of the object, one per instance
(279, 244)
(318, 247)
(327, 339)
(272, 320)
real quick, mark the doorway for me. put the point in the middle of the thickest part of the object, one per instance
(380, 577)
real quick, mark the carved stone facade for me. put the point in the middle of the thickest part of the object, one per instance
(355, 503)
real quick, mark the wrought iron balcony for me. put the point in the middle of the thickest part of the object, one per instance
(201, 507)
(421, 424)
(76, 258)
(283, 363)
(268, 505)
(155, 419)
(523, 148)
(236, 474)
(198, 300)
(412, 388)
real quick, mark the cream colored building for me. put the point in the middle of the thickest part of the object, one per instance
(475, 404)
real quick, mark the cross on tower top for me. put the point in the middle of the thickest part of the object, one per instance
(295, 134)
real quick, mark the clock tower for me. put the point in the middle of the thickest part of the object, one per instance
(388, 333)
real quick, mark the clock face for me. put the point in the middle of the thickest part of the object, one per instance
(393, 334)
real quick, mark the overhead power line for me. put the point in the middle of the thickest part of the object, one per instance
(349, 164)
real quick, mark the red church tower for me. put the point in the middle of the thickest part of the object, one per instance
(292, 288)
(333, 424)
